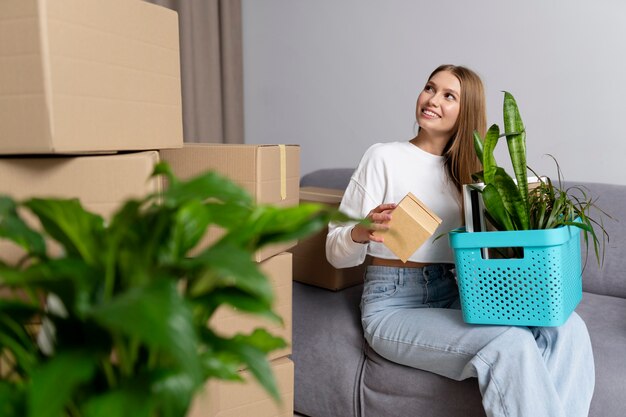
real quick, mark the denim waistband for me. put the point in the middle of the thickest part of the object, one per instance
(399, 274)
(432, 269)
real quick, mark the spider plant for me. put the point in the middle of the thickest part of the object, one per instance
(125, 328)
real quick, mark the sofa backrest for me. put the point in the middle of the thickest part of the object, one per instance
(610, 279)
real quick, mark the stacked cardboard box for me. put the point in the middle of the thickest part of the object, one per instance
(270, 173)
(82, 80)
(309, 255)
(85, 76)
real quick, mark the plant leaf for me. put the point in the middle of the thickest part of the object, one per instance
(489, 162)
(495, 207)
(191, 221)
(174, 392)
(225, 265)
(54, 383)
(12, 399)
(271, 224)
(516, 143)
(511, 199)
(67, 222)
(129, 401)
(241, 301)
(250, 350)
(209, 185)
(478, 146)
(15, 229)
(137, 312)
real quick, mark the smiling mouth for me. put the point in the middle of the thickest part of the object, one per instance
(429, 113)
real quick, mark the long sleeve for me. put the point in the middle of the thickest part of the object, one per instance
(341, 250)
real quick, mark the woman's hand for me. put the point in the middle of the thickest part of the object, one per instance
(379, 220)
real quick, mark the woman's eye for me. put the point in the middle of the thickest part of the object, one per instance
(429, 88)
(450, 97)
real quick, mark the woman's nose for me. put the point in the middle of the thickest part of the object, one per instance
(434, 100)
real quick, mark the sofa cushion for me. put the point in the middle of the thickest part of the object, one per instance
(393, 390)
(327, 350)
(605, 317)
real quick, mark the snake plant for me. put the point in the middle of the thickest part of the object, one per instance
(505, 200)
(509, 205)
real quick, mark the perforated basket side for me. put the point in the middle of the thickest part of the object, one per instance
(542, 289)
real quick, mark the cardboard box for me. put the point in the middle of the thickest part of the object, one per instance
(270, 173)
(100, 182)
(249, 399)
(86, 76)
(228, 321)
(412, 223)
(309, 255)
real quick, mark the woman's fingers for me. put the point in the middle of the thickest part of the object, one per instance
(379, 218)
(382, 213)
(384, 207)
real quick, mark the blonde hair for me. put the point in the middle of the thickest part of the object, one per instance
(460, 158)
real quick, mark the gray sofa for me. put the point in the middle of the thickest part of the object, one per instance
(337, 375)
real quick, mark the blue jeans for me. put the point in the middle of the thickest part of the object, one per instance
(411, 316)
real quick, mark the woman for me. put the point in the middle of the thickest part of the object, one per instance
(410, 311)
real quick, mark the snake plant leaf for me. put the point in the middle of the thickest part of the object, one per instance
(495, 206)
(489, 161)
(516, 142)
(478, 176)
(511, 199)
(66, 221)
(478, 146)
(65, 372)
(135, 313)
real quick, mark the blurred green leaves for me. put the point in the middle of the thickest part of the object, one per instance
(128, 305)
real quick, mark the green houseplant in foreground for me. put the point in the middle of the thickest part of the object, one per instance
(125, 328)
(510, 205)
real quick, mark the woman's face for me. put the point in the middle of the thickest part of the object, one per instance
(438, 105)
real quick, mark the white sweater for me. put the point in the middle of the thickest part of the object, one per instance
(386, 173)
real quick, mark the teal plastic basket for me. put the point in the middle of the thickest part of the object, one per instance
(541, 289)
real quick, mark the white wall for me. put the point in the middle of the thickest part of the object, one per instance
(338, 75)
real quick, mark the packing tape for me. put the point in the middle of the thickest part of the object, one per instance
(283, 171)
